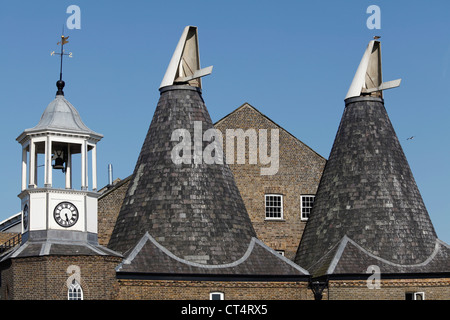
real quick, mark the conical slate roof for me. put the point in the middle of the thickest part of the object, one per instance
(368, 209)
(187, 218)
(194, 210)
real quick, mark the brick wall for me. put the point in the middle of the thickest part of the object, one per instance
(38, 278)
(300, 170)
(109, 204)
(434, 289)
(200, 290)
(5, 236)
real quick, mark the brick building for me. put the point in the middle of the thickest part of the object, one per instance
(182, 230)
(198, 219)
(109, 204)
(293, 186)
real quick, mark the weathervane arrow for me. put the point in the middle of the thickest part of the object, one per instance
(60, 84)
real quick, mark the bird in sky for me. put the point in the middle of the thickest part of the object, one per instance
(377, 37)
(410, 138)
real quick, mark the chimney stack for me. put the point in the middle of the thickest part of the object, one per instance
(110, 174)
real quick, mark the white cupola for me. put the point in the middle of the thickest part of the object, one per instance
(50, 210)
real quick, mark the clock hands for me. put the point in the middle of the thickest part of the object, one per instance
(66, 214)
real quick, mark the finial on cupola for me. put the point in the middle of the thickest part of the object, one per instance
(60, 83)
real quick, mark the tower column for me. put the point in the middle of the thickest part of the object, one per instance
(69, 168)
(32, 167)
(83, 166)
(94, 168)
(48, 163)
(35, 167)
(24, 168)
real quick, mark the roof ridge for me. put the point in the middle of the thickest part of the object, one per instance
(246, 104)
(114, 186)
(235, 110)
(422, 264)
(283, 258)
(79, 122)
(254, 241)
(342, 245)
(338, 243)
(345, 240)
(147, 237)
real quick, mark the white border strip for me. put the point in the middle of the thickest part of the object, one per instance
(346, 239)
(250, 248)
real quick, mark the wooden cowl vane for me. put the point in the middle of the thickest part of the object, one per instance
(368, 77)
(184, 67)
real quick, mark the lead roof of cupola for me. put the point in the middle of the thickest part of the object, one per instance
(60, 115)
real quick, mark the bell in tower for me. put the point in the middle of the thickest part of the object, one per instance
(59, 160)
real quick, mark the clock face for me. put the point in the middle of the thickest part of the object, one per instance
(25, 216)
(65, 214)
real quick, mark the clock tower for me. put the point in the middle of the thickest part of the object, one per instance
(59, 211)
(59, 203)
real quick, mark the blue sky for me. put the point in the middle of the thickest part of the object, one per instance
(292, 60)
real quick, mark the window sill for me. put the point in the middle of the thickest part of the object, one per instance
(274, 220)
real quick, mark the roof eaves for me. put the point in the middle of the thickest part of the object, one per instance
(254, 241)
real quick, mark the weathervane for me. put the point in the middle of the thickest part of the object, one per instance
(60, 83)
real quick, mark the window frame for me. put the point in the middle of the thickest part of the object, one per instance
(221, 295)
(421, 293)
(414, 294)
(281, 217)
(302, 218)
(73, 290)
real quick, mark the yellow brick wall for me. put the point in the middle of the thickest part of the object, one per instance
(5, 236)
(44, 278)
(395, 289)
(200, 290)
(299, 173)
(109, 205)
